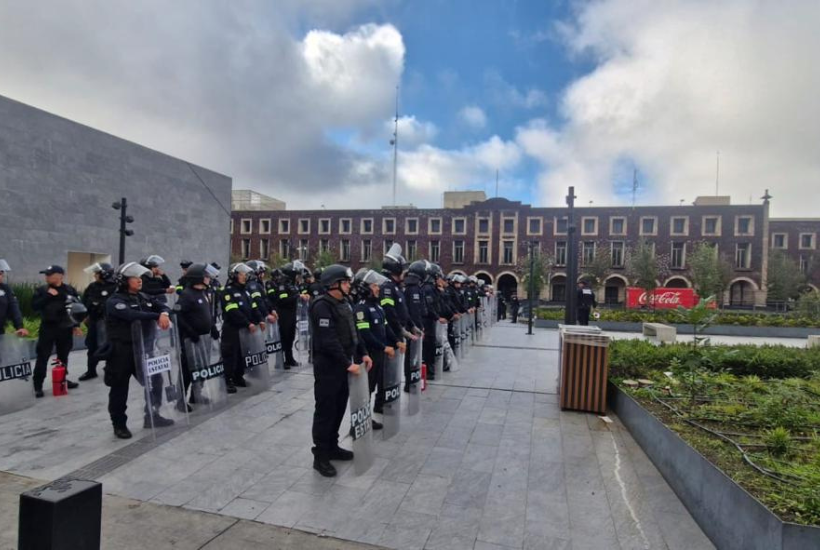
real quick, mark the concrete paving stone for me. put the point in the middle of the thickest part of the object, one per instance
(487, 434)
(382, 501)
(442, 462)
(312, 483)
(478, 392)
(504, 528)
(479, 458)
(681, 532)
(448, 542)
(289, 508)
(272, 486)
(572, 421)
(217, 495)
(404, 538)
(426, 495)
(492, 415)
(244, 509)
(338, 507)
(480, 545)
(362, 531)
(546, 410)
(471, 404)
(468, 489)
(365, 481)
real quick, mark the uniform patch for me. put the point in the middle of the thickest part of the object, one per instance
(105, 293)
(199, 301)
(324, 323)
(387, 290)
(2, 292)
(415, 296)
(120, 306)
(228, 297)
(360, 315)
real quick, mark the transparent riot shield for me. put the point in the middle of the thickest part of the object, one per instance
(273, 345)
(473, 327)
(459, 328)
(15, 374)
(456, 327)
(465, 334)
(450, 360)
(413, 381)
(157, 356)
(255, 359)
(303, 327)
(391, 389)
(361, 421)
(441, 338)
(207, 373)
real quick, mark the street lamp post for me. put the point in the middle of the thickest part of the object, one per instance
(570, 313)
(122, 206)
(531, 291)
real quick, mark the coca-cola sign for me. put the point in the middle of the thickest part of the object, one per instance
(661, 298)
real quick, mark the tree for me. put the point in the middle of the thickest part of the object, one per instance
(274, 260)
(709, 272)
(783, 277)
(599, 268)
(323, 258)
(643, 267)
(542, 270)
(375, 263)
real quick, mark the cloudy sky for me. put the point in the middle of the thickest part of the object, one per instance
(295, 98)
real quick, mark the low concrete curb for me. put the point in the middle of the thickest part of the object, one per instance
(731, 517)
(715, 330)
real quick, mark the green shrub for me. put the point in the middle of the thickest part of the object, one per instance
(778, 441)
(798, 318)
(24, 293)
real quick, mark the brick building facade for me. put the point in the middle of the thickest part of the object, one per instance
(487, 239)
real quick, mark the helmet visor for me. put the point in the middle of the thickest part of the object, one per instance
(4, 265)
(241, 268)
(211, 271)
(94, 268)
(154, 260)
(298, 266)
(373, 278)
(132, 269)
(395, 253)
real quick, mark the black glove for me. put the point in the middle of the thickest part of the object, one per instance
(214, 333)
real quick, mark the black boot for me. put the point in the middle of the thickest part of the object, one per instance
(158, 421)
(377, 425)
(239, 381)
(324, 467)
(122, 432)
(71, 385)
(230, 387)
(183, 407)
(88, 375)
(341, 454)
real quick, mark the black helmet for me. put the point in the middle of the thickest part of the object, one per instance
(196, 274)
(293, 269)
(258, 266)
(419, 268)
(366, 277)
(76, 310)
(105, 270)
(434, 271)
(216, 266)
(393, 262)
(335, 273)
(236, 269)
(317, 273)
(152, 261)
(129, 270)
(185, 264)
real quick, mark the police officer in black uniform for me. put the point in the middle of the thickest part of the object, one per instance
(586, 301)
(315, 289)
(184, 265)
(379, 339)
(515, 305)
(126, 306)
(458, 305)
(239, 311)
(95, 297)
(433, 315)
(193, 314)
(286, 301)
(57, 329)
(9, 307)
(416, 307)
(337, 351)
(155, 283)
(256, 288)
(394, 303)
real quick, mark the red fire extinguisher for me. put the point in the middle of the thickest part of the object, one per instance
(58, 379)
(423, 376)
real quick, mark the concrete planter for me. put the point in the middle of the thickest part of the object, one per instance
(731, 517)
(715, 330)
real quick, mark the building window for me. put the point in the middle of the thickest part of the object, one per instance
(588, 253)
(534, 226)
(264, 249)
(744, 226)
(434, 227)
(459, 226)
(324, 226)
(324, 245)
(345, 226)
(678, 260)
(617, 226)
(304, 226)
(483, 252)
(458, 252)
(561, 225)
(246, 249)
(680, 226)
(284, 249)
(367, 226)
(743, 255)
(387, 244)
(807, 241)
(435, 251)
(367, 250)
(264, 226)
(284, 227)
(509, 226)
(711, 226)
(507, 252)
(561, 253)
(617, 254)
(805, 261)
(344, 250)
(589, 226)
(483, 226)
(412, 226)
(231, 226)
(649, 225)
(304, 249)
(389, 226)
(245, 227)
(412, 250)
(780, 240)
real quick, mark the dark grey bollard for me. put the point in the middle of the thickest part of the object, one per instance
(63, 515)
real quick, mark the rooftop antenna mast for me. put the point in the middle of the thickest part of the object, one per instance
(717, 174)
(496, 183)
(634, 185)
(395, 143)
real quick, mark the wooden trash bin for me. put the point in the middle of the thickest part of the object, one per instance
(584, 360)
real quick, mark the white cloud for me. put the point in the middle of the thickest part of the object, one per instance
(412, 132)
(473, 116)
(676, 81)
(505, 94)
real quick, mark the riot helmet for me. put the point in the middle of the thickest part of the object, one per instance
(105, 270)
(185, 264)
(236, 269)
(393, 262)
(258, 266)
(334, 274)
(211, 271)
(4, 265)
(76, 310)
(152, 261)
(127, 271)
(317, 273)
(294, 269)
(196, 274)
(434, 271)
(366, 277)
(419, 268)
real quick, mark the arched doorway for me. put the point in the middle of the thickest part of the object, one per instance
(677, 282)
(742, 293)
(558, 288)
(484, 276)
(615, 290)
(507, 285)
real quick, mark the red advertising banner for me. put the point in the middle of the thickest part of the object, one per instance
(661, 298)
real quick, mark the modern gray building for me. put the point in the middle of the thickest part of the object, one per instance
(58, 180)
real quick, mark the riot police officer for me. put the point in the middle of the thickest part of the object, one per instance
(193, 315)
(434, 314)
(126, 306)
(155, 283)
(315, 288)
(57, 329)
(416, 307)
(9, 307)
(239, 311)
(337, 351)
(95, 297)
(256, 288)
(183, 265)
(586, 301)
(286, 300)
(457, 303)
(378, 337)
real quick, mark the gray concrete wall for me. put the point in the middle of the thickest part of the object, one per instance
(58, 180)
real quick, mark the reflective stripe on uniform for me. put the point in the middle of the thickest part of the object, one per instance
(256, 295)
(362, 325)
(283, 295)
(229, 307)
(253, 305)
(388, 302)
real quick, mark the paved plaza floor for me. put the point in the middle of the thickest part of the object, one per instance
(490, 463)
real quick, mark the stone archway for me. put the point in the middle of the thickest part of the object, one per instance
(742, 292)
(615, 289)
(677, 282)
(507, 284)
(484, 276)
(558, 288)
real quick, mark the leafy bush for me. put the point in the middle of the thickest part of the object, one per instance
(797, 319)
(24, 293)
